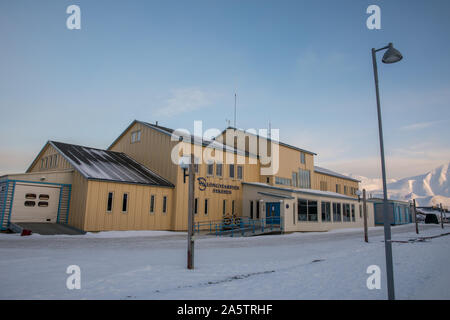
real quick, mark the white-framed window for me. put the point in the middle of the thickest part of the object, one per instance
(307, 210)
(110, 202)
(240, 172)
(136, 136)
(304, 179)
(294, 179)
(232, 171)
(336, 212)
(210, 169)
(346, 212)
(152, 203)
(283, 181)
(219, 169)
(125, 202)
(302, 158)
(326, 211)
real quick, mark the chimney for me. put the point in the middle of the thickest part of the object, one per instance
(156, 123)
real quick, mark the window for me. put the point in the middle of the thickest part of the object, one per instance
(206, 207)
(302, 158)
(224, 207)
(360, 211)
(125, 202)
(50, 161)
(219, 169)
(195, 205)
(251, 209)
(231, 170)
(232, 207)
(323, 186)
(336, 212)
(346, 212)
(152, 203)
(210, 169)
(326, 211)
(268, 180)
(294, 179)
(240, 172)
(307, 210)
(46, 162)
(109, 202)
(42, 163)
(55, 160)
(338, 188)
(353, 212)
(283, 181)
(257, 209)
(164, 204)
(345, 189)
(136, 136)
(304, 179)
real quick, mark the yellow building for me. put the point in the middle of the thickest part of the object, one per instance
(137, 184)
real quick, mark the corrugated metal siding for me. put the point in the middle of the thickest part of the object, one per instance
(6, 196)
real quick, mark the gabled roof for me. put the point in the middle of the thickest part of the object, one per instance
(97, 164)
(268, 139)
(194, 139)
(332, 173)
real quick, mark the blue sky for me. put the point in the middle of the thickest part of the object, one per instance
(303, 65)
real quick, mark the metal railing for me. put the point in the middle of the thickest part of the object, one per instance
(239, 226)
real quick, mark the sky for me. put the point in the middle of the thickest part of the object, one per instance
(303, 65)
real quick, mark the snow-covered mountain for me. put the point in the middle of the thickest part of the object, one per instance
(428, 189)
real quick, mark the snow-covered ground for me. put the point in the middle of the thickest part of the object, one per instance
(151, 265)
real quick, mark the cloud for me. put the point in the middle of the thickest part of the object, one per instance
(185, 100)
(420, 125)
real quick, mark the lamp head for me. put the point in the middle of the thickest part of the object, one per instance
(392, 55)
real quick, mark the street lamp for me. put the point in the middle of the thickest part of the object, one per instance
(187, 164)
(392, 55)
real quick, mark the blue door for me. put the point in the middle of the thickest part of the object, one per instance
(273, 213)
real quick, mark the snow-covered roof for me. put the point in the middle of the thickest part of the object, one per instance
(270, 140)
(97, 164)
(299, 190)
(332, 173)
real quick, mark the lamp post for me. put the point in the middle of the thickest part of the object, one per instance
(187, 163)
(390, 56)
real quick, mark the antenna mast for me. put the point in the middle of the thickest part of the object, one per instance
(235, 99)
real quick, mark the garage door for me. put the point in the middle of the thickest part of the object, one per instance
(33, 203)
